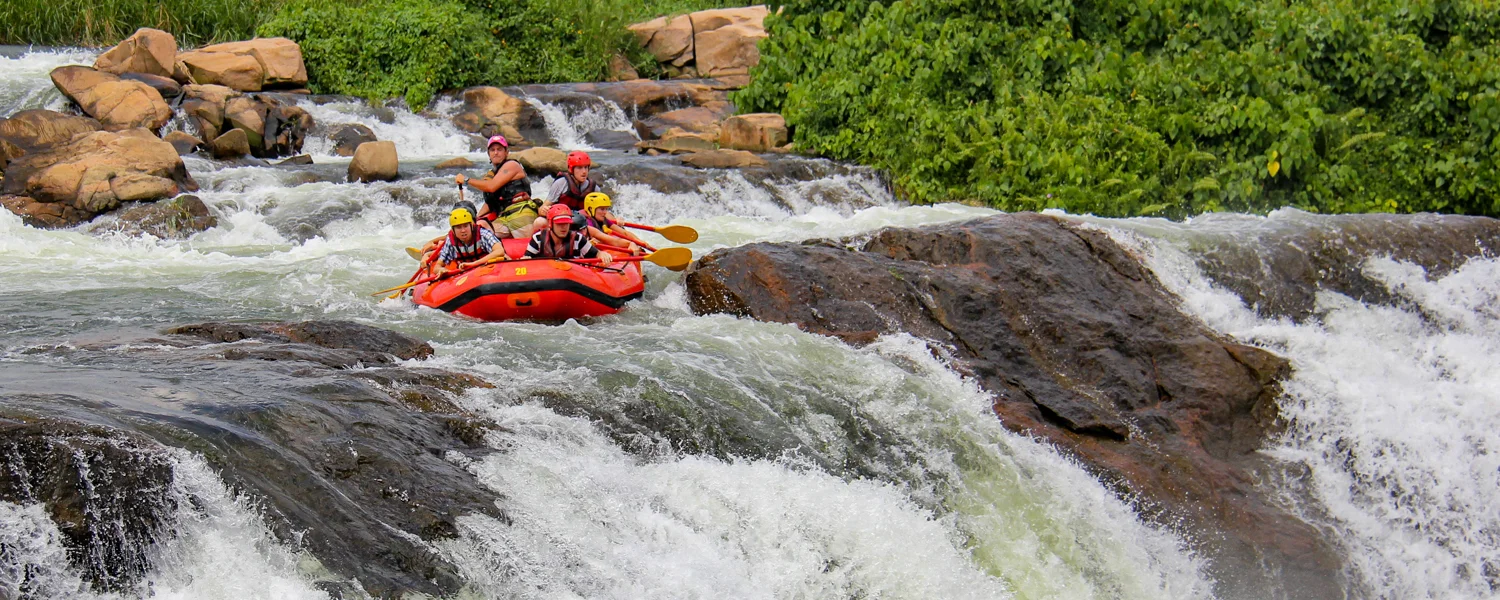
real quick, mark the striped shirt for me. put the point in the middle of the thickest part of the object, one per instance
(483, 246)
(543, 246)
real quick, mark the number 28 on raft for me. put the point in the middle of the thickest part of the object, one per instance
(520, 270)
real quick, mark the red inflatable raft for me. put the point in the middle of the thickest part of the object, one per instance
(537, 289)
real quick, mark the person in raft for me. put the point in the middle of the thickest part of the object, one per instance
(467, 245)
(559, 240)
(509, 209)
(569, 188)
(603, 227)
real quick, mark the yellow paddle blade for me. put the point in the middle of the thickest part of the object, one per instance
(415, 253)
(674, 259)
(397, 288)
(681, 234)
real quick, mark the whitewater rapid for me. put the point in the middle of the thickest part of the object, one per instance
(1392, 409)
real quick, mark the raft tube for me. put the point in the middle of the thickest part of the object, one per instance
(535, 289)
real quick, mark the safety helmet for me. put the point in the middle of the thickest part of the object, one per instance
(578, 158)
(559, 212)
(459, 216)
(595, 200)
(466, 205)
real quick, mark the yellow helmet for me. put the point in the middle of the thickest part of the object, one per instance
(458, 217)
(595, 200)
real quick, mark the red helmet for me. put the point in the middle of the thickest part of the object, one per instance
(559, 212)
(578, 158)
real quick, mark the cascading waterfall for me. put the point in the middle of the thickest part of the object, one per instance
(1392, 409)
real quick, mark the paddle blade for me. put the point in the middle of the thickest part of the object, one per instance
(415, 253)
(681, 234)
(674, 259)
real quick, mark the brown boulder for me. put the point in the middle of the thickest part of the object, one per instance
(184, 142)
(149, 51)
(729, 50)
(95, 172)
(300, 159)
(374, 161)
(677, 141)
(490, 111)
(1081, 348)
(117, 104)
(249, 115)
(37, 129)
(232, 144)
(668, 40)
(723, 159)
(280, 60)
(237, 71)
(542, 160)
(758, 132)
(696, 119)
(456, 163)
(718, 18)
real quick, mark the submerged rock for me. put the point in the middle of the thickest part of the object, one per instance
(1081, 347)
(107, 491)
(348, 138)
(177, 218)
(349, 457)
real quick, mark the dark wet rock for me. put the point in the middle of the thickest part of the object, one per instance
(298, 160)
(165, 86)
(350, 464)
(695, 119)
(1280, 264)
(185, 143)
(177, 218)
(609, 139)
(347, 138)
(108, 492)
(371, 344)
(1080, 346)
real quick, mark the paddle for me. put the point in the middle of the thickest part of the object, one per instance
(415, 253)
(675, 259)
(681, 234)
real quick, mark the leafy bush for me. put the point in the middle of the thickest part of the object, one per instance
(1167, 107)
(386, 48)
(414, 48)
(103, 22)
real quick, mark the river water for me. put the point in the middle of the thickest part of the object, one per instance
(960, 508)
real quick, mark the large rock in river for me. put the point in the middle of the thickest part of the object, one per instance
(1080, 346)
(33, 130)
(117, 103)
(149, 51)
(374, 161)
(92, 174)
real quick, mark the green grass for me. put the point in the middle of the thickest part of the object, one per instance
(106, 22)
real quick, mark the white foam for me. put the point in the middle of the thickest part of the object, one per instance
(1394, 413)
(25, 84)
(220, 550)
(569, 128)
(416, 136)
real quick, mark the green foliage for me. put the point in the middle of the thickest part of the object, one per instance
(414, 48)
(103, 22)
(1155, 107)
(386, 48)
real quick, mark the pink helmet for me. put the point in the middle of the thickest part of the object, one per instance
(498, 139)
(559, 212)
(578, 158)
